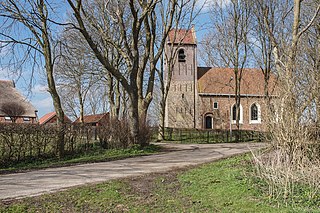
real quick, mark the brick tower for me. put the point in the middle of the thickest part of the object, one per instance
(181, 105)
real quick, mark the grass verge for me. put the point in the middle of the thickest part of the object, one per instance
(224, 186)
(98, 155)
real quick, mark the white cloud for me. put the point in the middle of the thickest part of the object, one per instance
(43, 105)
(40, 89)
(4, 74)
(7, 74)
(209, 3)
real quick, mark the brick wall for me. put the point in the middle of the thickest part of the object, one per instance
(221, 116)
(180, 107)
(19, 120)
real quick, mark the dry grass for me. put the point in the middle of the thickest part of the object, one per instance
(290, 175)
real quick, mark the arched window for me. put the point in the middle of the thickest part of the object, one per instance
(208, 122)
(181, 56)
(234, 114)
(254, 114)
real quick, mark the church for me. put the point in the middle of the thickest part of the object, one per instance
(204, 97)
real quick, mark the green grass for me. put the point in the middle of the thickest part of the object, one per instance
(98, 155)
(224, 186)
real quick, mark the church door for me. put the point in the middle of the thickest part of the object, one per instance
(208, 122)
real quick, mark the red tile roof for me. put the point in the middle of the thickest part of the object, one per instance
(92, 118)
(182, 36)
(47, 117)
(44, 119)
(218, 81)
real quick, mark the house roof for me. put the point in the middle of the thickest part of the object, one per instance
(44, 119)
(92, 118)
(47, 117)
(221, 81)
(9, 94)
(182, 36)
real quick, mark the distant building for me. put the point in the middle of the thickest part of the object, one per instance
(51, 118)
(94, 120)
(204, 97)
(13, 105)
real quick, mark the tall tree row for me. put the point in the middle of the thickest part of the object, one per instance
(126, 37)
(141, 27)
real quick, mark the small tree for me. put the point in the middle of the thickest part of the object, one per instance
(228, 44)
(13, 110)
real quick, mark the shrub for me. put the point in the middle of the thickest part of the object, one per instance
(22, 142)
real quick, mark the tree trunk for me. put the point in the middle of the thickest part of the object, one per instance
(143, 111)
(60, 115)
(134, 118)
(50, 79)
(162, 118)
(81, 107)
(118, 100)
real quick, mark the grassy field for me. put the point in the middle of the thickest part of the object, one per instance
(91, 156)
(224, 186)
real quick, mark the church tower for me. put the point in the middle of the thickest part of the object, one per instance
(182, 96)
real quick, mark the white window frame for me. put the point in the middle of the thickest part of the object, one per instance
(241, 115)
(259, 114)
(216, 102)
(26, 120)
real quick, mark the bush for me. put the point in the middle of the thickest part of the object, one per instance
(115, 135)
(20, 141)
(23, 142)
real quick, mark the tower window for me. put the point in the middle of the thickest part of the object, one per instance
(181, 56)
(215, 105)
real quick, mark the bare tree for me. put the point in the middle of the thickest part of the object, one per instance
(295, 53)
(228, 44)
(77, 71)
(33, 17)
(13, 110)
(309, 63)
(262, 48)
(286, 53)
(142, 35)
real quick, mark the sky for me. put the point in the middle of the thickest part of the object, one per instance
(41, 99)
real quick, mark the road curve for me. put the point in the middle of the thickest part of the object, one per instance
(33, 183)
